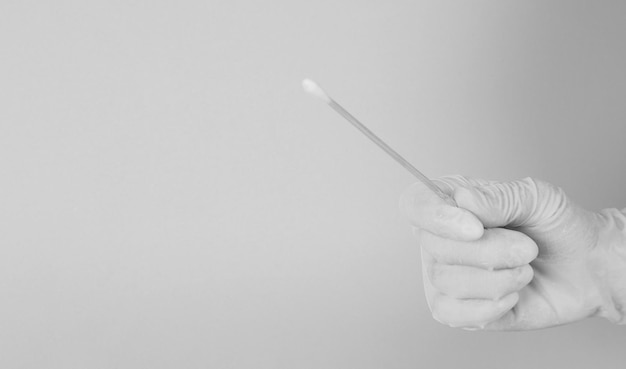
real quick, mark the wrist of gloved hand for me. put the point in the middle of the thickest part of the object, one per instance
(609, 265)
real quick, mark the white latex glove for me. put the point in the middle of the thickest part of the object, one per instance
(517, 255)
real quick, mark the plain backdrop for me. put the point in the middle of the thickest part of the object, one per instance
(170, 198)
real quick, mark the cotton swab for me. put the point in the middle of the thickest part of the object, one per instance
(315, 90)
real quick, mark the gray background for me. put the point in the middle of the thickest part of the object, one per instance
(170, 198)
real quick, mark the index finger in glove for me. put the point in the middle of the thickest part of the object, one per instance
(429, 212)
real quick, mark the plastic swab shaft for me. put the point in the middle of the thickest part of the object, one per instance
(315, 90)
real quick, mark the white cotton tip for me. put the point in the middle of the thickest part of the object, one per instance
(315, 90)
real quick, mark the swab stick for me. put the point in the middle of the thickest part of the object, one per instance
(315, 90)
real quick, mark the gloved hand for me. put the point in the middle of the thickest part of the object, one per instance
(516, 255)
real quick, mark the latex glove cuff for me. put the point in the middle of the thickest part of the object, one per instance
(610, 265)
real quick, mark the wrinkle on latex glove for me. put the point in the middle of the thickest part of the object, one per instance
(523, 203)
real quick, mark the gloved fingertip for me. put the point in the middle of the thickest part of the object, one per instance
(471, 227)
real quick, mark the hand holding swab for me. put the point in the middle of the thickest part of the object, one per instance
(315, 90)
